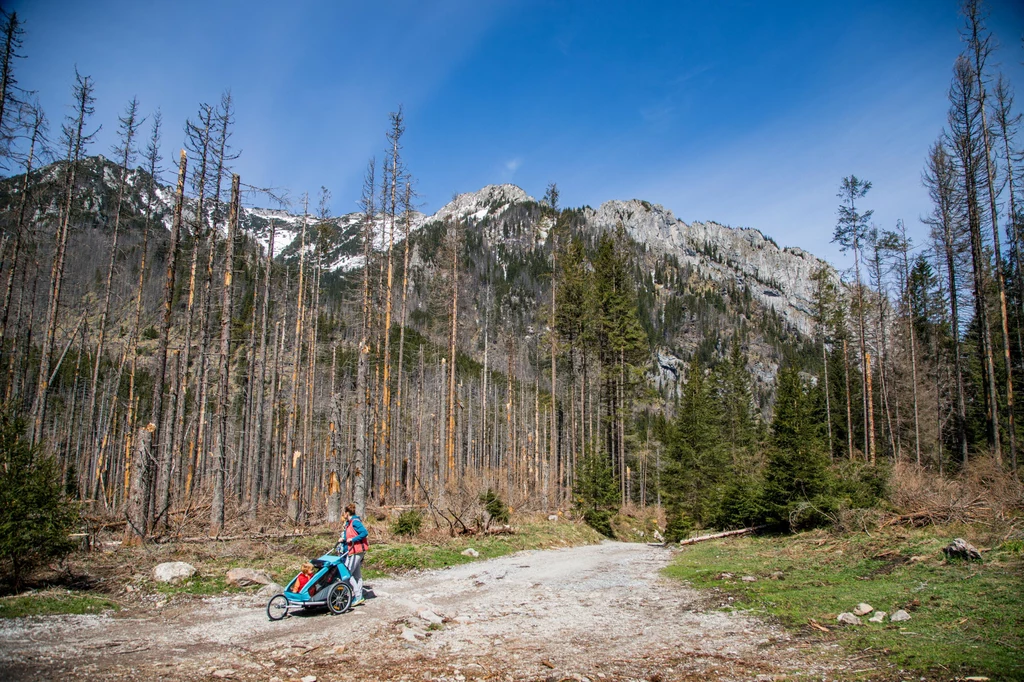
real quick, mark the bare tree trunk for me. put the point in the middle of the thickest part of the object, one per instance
(217, 508)
(38, 121)
(199, 139)
(450, 443)
(268, 456)
(293, 482)
(333, 480)
(1004, 117)
(137, 509)
(553, 439)
(870, 407)
(260, 453)
(165, 327)
(849, 411)
(980, 48)
(129, 125)
(407, 222)
(362, 400)
(76, 140)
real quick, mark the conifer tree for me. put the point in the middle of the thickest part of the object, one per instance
(735, 400)
(622, 344)
(796, 474)
(697, 460)
(595, 493)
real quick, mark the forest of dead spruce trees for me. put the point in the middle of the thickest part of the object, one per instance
(247, 384)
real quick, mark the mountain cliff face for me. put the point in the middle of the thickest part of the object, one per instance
(778, 278)
(697, 283)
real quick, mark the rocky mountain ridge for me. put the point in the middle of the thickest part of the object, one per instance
(732, 278)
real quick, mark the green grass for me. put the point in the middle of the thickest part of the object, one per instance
(394, 558)
(401, 554)
(53, 603)
(966, 618)
(199, 585)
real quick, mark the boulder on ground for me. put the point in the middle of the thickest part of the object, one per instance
(863, 609)
(270, 590)
(173, 571)
(411, 634)
(243, 577)
(469, 551)
(430, 616)
(879, 617)
(899, 616)
(961, 549)
(847, 618)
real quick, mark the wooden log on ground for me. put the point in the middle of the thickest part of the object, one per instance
(165, 539)
(724, 534)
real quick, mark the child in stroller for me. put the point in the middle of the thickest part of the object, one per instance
(328, 584)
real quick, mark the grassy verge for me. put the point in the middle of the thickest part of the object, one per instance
(966, 618)
(52, 603)
(412, 554)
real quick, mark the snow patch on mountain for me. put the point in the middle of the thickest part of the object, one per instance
(492, 200)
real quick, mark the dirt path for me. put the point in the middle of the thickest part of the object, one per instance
(600, 612)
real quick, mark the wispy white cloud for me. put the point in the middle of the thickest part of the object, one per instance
(512, 165)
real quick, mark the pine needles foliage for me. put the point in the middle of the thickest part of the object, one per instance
(596, 496)
(495, 507)
(797, 478)
(36, 515)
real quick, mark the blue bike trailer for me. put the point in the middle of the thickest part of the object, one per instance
(329, 586)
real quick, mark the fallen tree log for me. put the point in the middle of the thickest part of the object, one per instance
(164, 539)
(724, 534)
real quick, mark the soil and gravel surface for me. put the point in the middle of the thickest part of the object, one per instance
(601, 612)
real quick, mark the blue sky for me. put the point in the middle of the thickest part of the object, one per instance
(747, 113)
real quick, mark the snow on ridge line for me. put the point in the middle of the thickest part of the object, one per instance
(478, 204)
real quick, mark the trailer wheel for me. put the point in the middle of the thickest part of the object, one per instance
(339, 598)
(277, 607)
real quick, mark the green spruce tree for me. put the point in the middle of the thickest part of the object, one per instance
(36, 515)
(697, 459)
(595, 495)
(796, 479)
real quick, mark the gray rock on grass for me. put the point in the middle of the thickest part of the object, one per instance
(847, 618)
(243, 577)
(863, 609)
(962, 549)
(173, 572)
(899, 616)
(263, 595)
(879, 617)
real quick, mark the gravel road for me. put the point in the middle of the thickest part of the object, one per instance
(598, 612)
